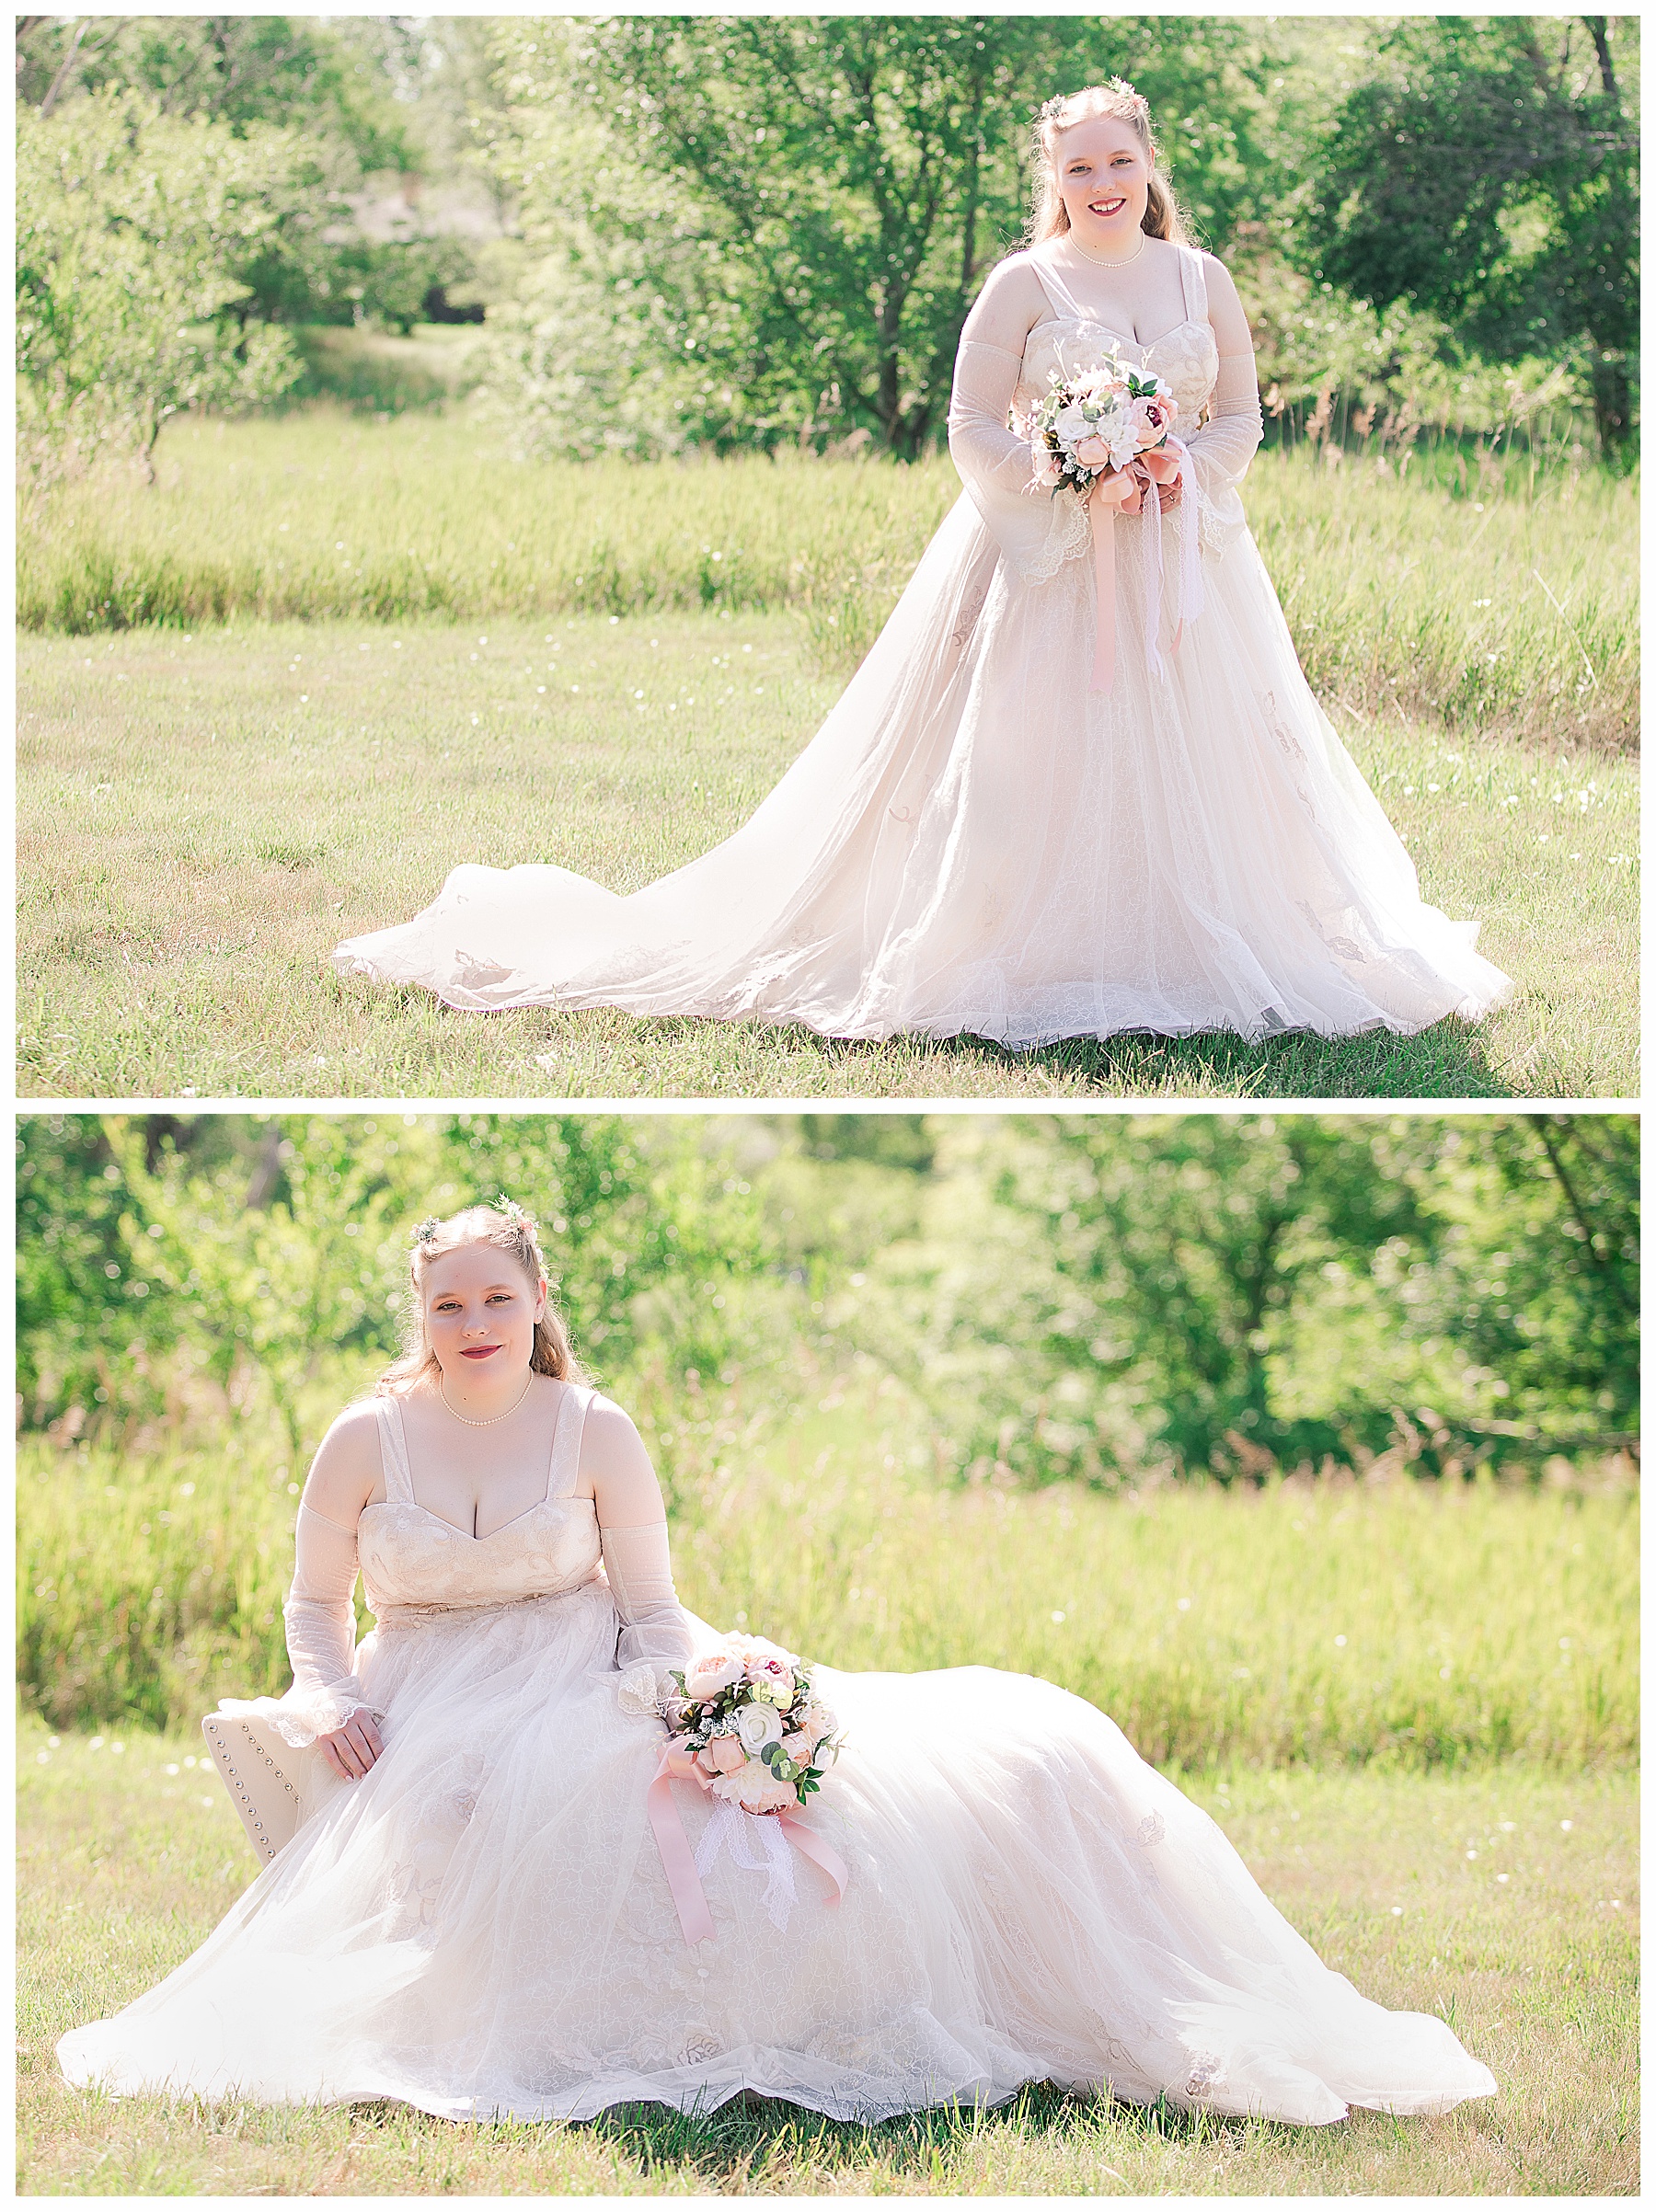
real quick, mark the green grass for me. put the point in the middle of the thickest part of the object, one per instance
(1529, 1948)
(1400, 1795)
(1315, 1625)
(202, 815)
(1427, 596)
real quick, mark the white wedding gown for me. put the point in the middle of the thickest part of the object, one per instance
(482, 1926)
(977, 842)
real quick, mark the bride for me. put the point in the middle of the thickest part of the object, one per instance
(473, 1915)
(977, 840)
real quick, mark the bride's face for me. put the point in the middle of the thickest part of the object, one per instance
(481, 1311)
(1104, 175)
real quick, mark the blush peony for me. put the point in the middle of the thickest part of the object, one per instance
(713, 1671)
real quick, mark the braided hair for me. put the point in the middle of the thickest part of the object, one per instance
(506, 1227)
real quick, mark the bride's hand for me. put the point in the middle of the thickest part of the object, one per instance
(353, 1750)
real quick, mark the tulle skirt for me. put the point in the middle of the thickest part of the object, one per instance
(975, 842)
(482, 1926)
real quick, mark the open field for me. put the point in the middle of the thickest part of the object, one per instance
(203, 815)
(1475, 594)
(1504, 1899)
(1394, 1697)
(1426, 1624)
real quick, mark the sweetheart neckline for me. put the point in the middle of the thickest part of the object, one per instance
(470, 1535)
(1092, 322)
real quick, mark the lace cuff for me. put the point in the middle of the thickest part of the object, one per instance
(1036, 530)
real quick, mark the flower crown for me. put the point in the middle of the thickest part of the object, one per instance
(1059, 100)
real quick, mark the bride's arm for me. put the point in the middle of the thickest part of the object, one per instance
(1036, 530)
(1221, 449)
(319, 1616)
(632, 1522)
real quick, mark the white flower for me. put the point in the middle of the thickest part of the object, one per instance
(714, 1671)
(1072, 423)
(758, 1725)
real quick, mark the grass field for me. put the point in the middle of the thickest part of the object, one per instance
(1393, 1697)
(204, 816)
(1473, 594)
(1421, 1623)
(1504, 1900)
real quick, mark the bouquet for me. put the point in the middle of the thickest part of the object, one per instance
(748, 1718)
(1104, 419)
(1112, 427)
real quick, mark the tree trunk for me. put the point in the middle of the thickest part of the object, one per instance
(1598, 29)
(1612, 401)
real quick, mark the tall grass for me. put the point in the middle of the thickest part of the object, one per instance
(1321, 1626)
(1487, 596)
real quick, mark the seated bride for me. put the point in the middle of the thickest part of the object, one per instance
(563, 1845)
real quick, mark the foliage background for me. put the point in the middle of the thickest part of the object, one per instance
(1290, 1439)
(740, 231)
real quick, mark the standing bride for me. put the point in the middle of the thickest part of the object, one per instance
(476, 1915)
(977, 840)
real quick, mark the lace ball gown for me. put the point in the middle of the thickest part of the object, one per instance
(482, 1926)
(976, 840)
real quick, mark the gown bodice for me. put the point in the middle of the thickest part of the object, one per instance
(1074, 339)
(411, 1558)
(1188, 356)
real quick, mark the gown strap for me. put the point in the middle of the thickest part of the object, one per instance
(1059, 297)
(564, 1464)
(1193, 279)
(394, 1451)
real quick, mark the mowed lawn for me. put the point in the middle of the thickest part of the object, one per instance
(202, 815)
(1503, 1899)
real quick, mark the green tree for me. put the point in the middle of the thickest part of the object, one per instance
(781, 222)
(130, 227)
(1487, 171)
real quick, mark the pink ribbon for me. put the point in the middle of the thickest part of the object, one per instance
(688, 1896)
(1131, 491)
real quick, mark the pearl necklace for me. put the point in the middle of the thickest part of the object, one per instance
(1108, 260)
(494, 1418)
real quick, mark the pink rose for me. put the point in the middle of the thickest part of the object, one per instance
(1092, 453)
(1048, 473)
(756, 1790)
(726, 1754)
(798, 1747)
(714, 1671)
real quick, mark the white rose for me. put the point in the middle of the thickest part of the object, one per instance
(714, 1671)
(758, 1725)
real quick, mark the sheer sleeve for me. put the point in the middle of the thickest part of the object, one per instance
(321, 1632)
(1221, 449)
(1036, 530)
(655, 1635)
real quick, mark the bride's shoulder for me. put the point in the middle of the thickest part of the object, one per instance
(1010, 304)
(347, 1465)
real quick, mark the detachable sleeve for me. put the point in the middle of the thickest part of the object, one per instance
(321, 1632)
(1037, 529)
(1221, 449)
(655, 1635)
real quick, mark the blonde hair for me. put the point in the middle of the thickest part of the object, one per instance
(1049, 218)
(509, 1229)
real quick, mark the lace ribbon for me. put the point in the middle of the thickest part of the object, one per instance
(685, 1868)
(1170, 462)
